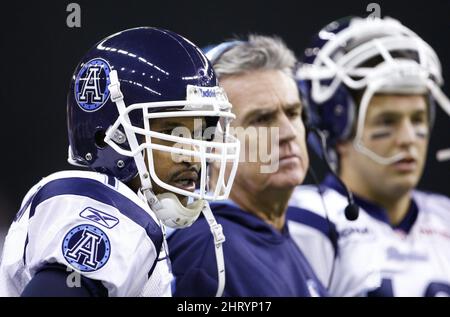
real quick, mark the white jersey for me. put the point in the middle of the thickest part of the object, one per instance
(373, 258)
(92, 224)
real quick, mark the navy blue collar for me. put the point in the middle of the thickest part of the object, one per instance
(375, 210)
(231, 211)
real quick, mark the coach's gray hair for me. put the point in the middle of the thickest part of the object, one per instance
(259, 52)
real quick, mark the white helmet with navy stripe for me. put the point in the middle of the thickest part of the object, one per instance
(373, 55)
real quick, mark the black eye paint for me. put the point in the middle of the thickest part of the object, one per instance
(380, 135)
(422, 135)
(421, 132)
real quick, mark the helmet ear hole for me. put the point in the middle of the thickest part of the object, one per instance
(100, 139)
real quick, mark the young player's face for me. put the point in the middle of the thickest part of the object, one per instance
(394, 124)
(177, 170)
(269, 125)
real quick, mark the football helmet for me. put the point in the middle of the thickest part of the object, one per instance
(131, 78)
(372, 55)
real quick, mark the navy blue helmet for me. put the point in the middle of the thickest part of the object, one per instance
(131, 77)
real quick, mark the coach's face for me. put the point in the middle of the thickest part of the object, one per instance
(269, 126)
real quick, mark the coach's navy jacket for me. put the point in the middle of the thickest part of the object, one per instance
(259, 260)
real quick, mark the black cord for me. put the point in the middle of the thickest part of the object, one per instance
(352, 209)
(332, 234)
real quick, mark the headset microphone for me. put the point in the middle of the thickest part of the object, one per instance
(352, 209)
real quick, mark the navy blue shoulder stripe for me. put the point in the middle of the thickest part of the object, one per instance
(25, 206)
(313, 220)
(98, 191)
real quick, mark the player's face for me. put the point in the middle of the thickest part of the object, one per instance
(177, 170)
(394, 124)
(269, 126)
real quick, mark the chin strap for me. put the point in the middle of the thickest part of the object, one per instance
(164, 214)
(219, 238)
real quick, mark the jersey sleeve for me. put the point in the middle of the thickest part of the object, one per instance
(51, 281)
(93, 231)
(314, 236)
(338, 250)
(313, 232)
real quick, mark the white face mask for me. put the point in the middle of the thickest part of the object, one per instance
(223, 150)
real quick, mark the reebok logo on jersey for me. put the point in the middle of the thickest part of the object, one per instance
(397, 255)
(100, 217)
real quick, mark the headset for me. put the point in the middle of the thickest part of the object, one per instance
(214, 52)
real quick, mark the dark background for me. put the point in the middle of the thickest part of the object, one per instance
(39, 53)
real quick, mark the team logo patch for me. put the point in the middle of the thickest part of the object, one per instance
(91, 84)
(100, 217)
(86, 248)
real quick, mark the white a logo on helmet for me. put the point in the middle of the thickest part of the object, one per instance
(91, 84)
